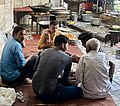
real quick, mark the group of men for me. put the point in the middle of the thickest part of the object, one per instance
(92, 72)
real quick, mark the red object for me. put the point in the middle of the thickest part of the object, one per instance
(31, 47)
(23, 9)
(86, 5)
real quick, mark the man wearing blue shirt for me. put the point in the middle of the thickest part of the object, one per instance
(14, 68)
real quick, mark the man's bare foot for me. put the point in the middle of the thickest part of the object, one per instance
(28, 81)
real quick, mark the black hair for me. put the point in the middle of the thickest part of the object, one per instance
(17, 29)
(85, 36)
(60, 39)
(53, 22)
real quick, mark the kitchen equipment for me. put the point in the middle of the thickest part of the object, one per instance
(74, 16)
(86, 17)
(40, 8)
(96, 21)
(59, 12)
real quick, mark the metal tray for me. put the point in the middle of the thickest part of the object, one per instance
(40, 8)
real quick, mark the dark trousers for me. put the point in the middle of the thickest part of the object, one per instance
(61, 93)
(26, 72)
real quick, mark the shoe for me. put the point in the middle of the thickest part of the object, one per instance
(20, 97)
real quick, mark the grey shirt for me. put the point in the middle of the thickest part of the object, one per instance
(51, 64)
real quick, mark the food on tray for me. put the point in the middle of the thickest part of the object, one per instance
(71, 36)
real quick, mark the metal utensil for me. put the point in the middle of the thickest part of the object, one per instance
(86, 17)
(96, 21)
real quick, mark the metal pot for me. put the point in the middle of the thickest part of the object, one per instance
(96, 21)
(74, 16)
(59, 12)
(86, 17)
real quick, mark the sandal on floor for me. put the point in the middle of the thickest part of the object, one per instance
(20, 97)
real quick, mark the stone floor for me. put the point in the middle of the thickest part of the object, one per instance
(115, 91)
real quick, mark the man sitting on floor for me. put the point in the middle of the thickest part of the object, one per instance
(51, 64)
(84, 37)
(48, 35)
(92, 72)
(14, 68)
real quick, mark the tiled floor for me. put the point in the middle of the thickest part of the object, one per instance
(115, 91)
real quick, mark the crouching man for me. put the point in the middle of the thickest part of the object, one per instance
(92, 73)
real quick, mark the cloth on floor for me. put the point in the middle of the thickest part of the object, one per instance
(7, 96)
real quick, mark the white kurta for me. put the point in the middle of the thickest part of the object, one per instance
(92, 73)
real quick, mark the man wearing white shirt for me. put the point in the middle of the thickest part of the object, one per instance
(84, 37)
(92, 73)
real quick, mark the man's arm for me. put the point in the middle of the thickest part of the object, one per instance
(43, 42)
(79, 71)
(18, 53)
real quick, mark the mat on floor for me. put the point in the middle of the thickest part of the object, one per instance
(31, 47)
(32, 100)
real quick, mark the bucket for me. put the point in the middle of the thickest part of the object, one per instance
(74, 16)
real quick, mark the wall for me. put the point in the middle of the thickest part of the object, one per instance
(21, 3)
(6, 15)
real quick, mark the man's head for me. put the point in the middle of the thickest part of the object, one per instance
(18, 33)
(61, 42)
(92, 44)
(53, 26)
(84, 37)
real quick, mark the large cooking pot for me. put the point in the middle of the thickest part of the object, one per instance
(86, 17)
(59, 12)
(96, 21)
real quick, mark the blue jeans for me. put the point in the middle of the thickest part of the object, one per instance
(62, 93)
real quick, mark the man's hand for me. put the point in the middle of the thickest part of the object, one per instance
(30, 56)
(75, 58)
